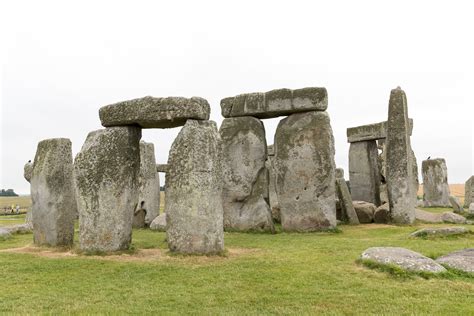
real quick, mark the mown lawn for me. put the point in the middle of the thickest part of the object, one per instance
(263, 274)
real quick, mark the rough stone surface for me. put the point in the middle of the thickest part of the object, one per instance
(404, 258)
(456, 204)
(52, 193)
(461, 260)
(439, 231)
(428, 217)
(4, 233)
(193, 207)
(415, 179)
(374, 131)
(272, 195)
(304, 156)
(399, 163)
(365, 211)
(348, 212)
(449, 217)
(159, 223)
(149, 187)
(364, 172)
(245, 181)
(471, 208)
(275, 103)
(28, 171)
(469, 192)
(339, 173)
(382, 214)
(106, 171)
(435, 183)
(162, 168)
(151, 112)
(19, 229)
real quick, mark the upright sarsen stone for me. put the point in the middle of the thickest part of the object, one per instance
(245, 177)
(28, 171)
(435, 183)
(193, 207)
(399, 169)
(469, 192)
(106, 171)
(272, 195)
(52, 192)
(304, 156)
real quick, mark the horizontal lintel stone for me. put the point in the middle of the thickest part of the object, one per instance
(370, 132)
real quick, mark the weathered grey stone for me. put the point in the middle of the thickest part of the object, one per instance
(19, 229)
(364, 172)
(4, 234)
(456, 204)
(449, 217)
(462, 260)
(149, 187)
(275, 103)
(382, 159)
(374, 131)
(339, 173)
(382, 214)
(193, 207)
(404, 258)
(439, 231)
(471, 208)
(106, 171)
(245, 181)
(415, 179)
(365, 211)
(162, 168)
(52, 193)
(428, 217)
(272, 195)
(304, 157)
(151, 112)
(469, 192)
(348, 212)
(159, 223)
(399, 178)
(28, 171)
(435, 183)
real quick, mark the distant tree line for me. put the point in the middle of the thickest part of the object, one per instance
(7, 192)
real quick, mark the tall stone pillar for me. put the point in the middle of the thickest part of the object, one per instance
(469, 192)
(435, 183)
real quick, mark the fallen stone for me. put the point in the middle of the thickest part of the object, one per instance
(456, 204)
(374, 131)
(19, 229)
(4, 234)
(365, 211)
(449, 217)
(106, 171)
(439, 231)
(304, 158)
(435, 183)
(275, 103)
(193, 207)
(462, 260)
(162, 168)
(382, 214)
(469, 192)
(403, 258)
(159, 223)
(245, 176)
(151, 112)
(28, 171)
(52, 193)
(428, 217)
(348, 212)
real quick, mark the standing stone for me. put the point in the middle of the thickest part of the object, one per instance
(245, 177)
(364, 172)
(106, 173)
(435, 183)
(52, 192)
(272, 195)
(382, 158)
(399, 163)
(193, 207)
(416, 181)
(28, 171)
(149, 187)
(469, 192)
(304, 156)
(348, 212)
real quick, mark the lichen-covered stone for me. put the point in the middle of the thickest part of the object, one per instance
(364, 172)
(365, 211)
(52, 193)
(456, 204)
(28, 171)
(275, 103)
(435, 183)
(400, 178)
(272, 195)
(305, 167)
(382, 214)
(439, 231)
(245, 181)
(106, 171)
(162, 168)
(348, 212)
(339, 173)
(151, 112)
(374, 131)
(159, 223)
(450, 217)
(469, 192)
(462, 260)
(193, 207)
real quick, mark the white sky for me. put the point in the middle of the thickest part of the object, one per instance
(62, 60)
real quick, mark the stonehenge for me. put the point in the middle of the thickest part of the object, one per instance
(469, 192)
(435, 183)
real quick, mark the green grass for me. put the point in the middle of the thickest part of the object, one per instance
(272, 274)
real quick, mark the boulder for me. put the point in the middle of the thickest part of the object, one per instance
(428, 217)
(106, 171)
(435, 183)
(245, 176)
(462, 260)
(151, 112)
(456, 204)
(52, 193)
(280, 102)
(159, 223)
(4, 234)
(304, 158)
(193, 207)
(382, 214)
(365, 211)
(439, 231)
(28, 171)
(348, 212)
(403, 258)
(469, 192)
(449, 217)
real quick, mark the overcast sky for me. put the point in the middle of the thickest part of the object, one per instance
(60, 62)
